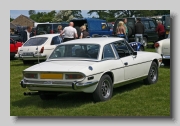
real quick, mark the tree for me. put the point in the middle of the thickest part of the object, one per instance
(43, 16)
(63, 15)
(76, 13)
(32, 12)
(11, 19)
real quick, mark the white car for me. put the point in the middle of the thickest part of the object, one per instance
(95, 65)
(163, 48)
(38, 47)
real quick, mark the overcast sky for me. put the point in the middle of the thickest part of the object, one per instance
(16, 13)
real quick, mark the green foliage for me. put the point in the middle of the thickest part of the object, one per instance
(43, 16)
(11, 19)
(67, 15)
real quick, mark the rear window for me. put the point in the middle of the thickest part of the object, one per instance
(36, 41)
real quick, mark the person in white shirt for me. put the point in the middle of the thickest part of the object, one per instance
(70, 33)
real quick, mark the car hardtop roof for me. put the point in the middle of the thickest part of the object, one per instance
(45, 35)
(100, 41)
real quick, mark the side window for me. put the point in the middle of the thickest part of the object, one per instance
(108, 52)
(122, 48)
(56, 40)
(104, 26)
(146, 25)
(152, 25)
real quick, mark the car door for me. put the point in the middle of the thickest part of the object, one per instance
(133, 66)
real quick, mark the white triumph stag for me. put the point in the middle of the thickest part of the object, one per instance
(95, 65)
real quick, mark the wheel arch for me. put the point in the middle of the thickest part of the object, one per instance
(110, 74)
(156, 61)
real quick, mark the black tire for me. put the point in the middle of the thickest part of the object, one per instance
(152, 75)
(145, 43)
(104, 89)
(46, 96)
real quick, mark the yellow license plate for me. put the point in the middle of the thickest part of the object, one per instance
(51, 76)
(167, 32)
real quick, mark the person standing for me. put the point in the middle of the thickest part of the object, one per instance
(121, 31)
(125, 25)
(160, 30)
(70, 33)
(139, 30)
(84, 33)
(59, 29)
(26, 34)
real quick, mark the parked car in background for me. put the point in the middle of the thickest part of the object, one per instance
(38, 48)
(150, 34)
(49, 28)
(163, 48)
(14, 45)
(95, 65)
(93, 26)
(111, 25)
(137, 46)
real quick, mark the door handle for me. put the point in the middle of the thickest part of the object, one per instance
(126, 63)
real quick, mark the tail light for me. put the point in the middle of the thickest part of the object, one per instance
(51, 31)
(74, 76)
(31, 75)
(42, 50)
(156, 45)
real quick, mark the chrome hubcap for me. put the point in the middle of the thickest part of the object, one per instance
(105, 88)
(153, 74)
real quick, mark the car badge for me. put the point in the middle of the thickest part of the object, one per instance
(90, 68)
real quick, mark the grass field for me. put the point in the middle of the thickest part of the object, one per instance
(135, 99)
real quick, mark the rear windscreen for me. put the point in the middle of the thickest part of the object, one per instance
(36, 41)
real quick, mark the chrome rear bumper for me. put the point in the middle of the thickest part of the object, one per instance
(55, 84)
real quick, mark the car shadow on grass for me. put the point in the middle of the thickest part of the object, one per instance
(63, 101)
(69, 100)
(128, 87)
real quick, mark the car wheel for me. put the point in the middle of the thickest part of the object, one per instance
(104, 89)
(152, 75)
(145, 42)
(46, 96)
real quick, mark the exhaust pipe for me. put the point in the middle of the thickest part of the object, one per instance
(31, 93)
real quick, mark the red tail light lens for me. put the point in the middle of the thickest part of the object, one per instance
(42, 50)
(74, 76)
(31, 75)
(156, 45)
